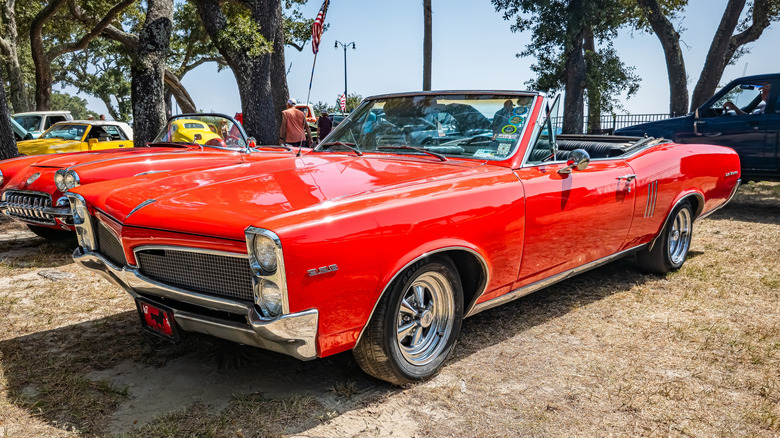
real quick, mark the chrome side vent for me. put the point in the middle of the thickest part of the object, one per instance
(652, 196)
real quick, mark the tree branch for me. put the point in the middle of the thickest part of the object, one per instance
(96, 30)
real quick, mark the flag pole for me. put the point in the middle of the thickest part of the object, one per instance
(311, 79)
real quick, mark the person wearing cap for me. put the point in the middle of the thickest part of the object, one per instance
(324, 125)
(294, 130)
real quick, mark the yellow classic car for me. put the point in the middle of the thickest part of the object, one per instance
(191, 131)
(78, 136)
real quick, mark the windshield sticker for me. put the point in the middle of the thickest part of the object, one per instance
(517, 120)
(503, 149)
(520, 110)
(484, 153)
(509, 129)
(507, 138)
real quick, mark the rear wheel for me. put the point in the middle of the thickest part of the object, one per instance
(671, 248)
(51, 233)
(415, 325)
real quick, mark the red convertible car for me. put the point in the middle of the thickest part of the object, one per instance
(33, 188)
(417, 211)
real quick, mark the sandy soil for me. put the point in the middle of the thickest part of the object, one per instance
(611, 352)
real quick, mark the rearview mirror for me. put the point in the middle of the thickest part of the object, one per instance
(578, 159)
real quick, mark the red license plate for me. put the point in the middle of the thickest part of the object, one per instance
(157, 319)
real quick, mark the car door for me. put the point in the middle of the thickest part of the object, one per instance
(745, 132)
(576, 218)
(772, 129)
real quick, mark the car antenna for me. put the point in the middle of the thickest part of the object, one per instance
(300, 146)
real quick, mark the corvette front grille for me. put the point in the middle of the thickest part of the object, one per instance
(204, 272)
(109, 245)
(28, 206)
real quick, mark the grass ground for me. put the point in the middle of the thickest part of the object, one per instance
(612, 352)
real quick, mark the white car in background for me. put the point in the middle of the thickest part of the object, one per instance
(35, 122)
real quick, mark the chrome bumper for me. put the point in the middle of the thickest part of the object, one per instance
(293, 334)
(38, 215)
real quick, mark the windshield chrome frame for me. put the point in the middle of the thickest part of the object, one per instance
(506, 93)
(246, 149)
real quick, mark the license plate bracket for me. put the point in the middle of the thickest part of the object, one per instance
(157, 319)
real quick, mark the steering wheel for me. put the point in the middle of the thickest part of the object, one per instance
(233, 141)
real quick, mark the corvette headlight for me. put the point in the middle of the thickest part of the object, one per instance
(265, 253)
(71, 179)
(59, 180)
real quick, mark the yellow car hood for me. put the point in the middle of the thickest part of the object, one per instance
(48, 146)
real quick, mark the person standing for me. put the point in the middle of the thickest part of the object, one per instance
(294, 130)
(324, 125)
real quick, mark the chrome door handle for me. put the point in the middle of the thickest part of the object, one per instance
(628, 178)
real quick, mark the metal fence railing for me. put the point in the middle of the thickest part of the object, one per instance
(611, 122)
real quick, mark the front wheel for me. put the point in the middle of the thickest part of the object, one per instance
(415, 325)
(672, 247)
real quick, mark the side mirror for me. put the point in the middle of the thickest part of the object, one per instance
(251, 142)
(197, 137)
(92, 142)
(578, 159)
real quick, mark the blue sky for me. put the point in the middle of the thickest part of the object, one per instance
(473, 48)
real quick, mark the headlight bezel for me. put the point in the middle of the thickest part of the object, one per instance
(269, 285)
(82, 221)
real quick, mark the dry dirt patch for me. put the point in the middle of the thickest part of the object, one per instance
(611, 352)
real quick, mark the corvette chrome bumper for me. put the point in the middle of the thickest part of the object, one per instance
(292, 334)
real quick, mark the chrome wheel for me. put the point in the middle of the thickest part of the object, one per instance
(680, 236)
(425, 318)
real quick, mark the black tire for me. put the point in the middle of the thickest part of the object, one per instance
(671, 248)
(409, 343)
(51, 233)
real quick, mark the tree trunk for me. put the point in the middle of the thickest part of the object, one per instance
(279, 72)
(7, 142)
(175, 88)
(43, 77)
(574, 101)
(9, 49)
(675, 64)
(594, 93)
(259, 100)
(147, 85)
(716, 60)
(725, 46)
(427, 44)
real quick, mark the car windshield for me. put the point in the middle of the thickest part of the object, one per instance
(481, 126)
(29, 123)
(65, 131)
(212, 130)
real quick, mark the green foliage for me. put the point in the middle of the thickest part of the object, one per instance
(243, 34)
(353, 100)
(103, 71)
(297, 28)
(555, 24)
(76, 105)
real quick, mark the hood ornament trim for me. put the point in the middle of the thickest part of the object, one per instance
(140, 206)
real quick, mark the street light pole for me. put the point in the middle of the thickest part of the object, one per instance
(345, 46)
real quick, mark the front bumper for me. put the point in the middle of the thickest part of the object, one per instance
(292, 334)
(40, 214)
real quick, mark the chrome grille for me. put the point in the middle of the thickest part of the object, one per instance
(109, 245)
(28, 206)
(210, 274)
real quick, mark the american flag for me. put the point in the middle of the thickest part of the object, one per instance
(316, 28)
(343, 102)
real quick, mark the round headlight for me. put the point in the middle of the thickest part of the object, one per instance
(59, 180)
(1, 177)
(265, 252)
(272, 297)
(71, 179)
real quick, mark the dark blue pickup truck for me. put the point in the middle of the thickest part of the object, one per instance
(744, 115)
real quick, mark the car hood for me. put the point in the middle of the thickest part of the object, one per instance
(43, 143)
(223, 202)
(655, 127)
(61, 161)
